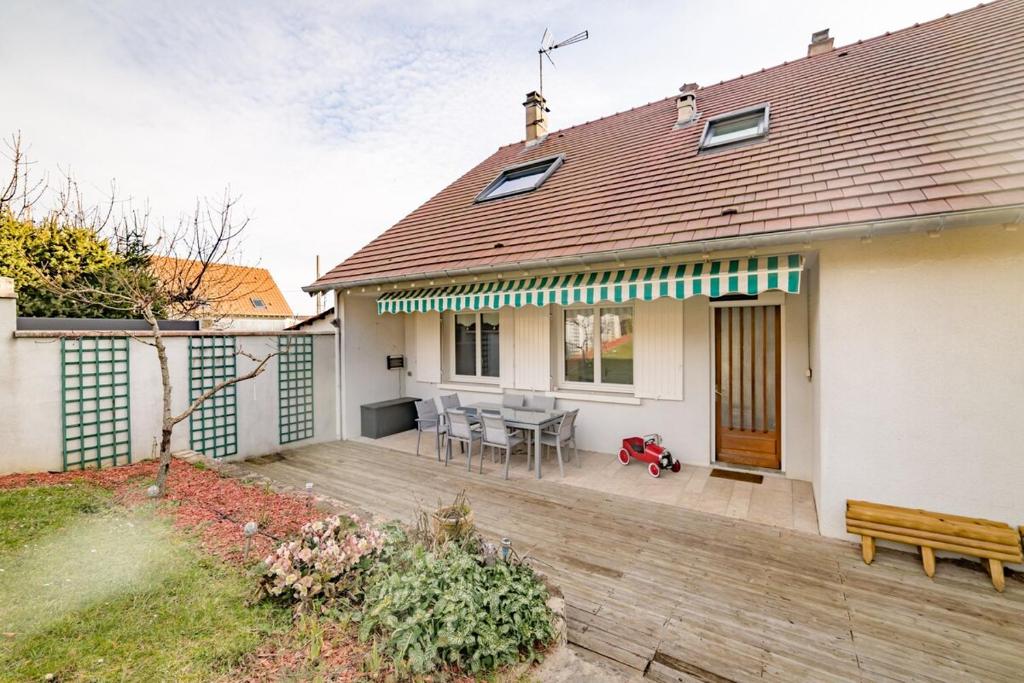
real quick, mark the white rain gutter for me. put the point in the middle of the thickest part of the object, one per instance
(1013, 215)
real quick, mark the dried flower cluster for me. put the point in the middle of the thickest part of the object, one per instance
(316, 564)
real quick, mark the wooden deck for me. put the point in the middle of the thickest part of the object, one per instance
(678, 595)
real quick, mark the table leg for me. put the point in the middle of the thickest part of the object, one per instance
(536, 449)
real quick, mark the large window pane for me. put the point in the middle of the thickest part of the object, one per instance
(489, 359)
(579, 345)
(465, 344)
(617, 345)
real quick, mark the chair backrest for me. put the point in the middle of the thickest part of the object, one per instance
(512, 400)
(458, 423)
(426, 410)
(494, 428)
(540, 402)
(450, 401)
(565, 426)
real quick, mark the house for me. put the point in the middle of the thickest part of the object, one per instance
(241, 297)
(815, 270)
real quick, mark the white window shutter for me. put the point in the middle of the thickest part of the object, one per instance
(532, 349)
(428, 346)
(507, 346)
(658, 349)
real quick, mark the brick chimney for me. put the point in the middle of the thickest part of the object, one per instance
(820, 42)
(686, 105)
(536, 119)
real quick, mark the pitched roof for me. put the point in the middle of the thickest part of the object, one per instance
(926, 120)
(235, 290)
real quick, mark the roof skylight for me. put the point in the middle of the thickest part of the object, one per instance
(521, 178)
(735, 127)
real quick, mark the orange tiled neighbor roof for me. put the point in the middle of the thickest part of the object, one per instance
(234, 288)
(926, 120)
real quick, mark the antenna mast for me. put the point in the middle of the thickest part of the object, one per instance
(547, 44)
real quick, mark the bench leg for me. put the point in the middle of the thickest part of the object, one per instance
(928, 560)
(995, 570)
(867, 548)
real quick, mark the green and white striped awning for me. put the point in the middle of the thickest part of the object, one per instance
(750, 276)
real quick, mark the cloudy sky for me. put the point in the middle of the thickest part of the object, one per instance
(332, 120)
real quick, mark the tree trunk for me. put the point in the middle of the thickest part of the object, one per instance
(167, 421)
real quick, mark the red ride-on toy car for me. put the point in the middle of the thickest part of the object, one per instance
(649, 449)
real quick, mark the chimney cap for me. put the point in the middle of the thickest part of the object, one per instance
(688, 88)
(819, 36)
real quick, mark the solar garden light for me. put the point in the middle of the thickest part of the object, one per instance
(309, 493)
(506, 549)
(250, 530)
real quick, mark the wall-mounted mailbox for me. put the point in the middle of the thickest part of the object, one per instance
(395, 362)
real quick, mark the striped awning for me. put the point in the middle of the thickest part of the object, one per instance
(750, 276)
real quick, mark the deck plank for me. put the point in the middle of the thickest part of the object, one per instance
(682, 595)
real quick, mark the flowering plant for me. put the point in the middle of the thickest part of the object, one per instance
(317, 564)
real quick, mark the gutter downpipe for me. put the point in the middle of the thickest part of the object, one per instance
(944, 221)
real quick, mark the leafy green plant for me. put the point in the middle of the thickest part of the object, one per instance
(447, 608)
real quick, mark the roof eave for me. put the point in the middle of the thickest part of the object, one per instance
(942, 221)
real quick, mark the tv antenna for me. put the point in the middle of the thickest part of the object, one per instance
(548, 44)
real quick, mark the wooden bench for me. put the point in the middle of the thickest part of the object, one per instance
(994, 542)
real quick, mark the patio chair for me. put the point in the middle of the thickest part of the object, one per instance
(512, 400)
(460, 429)
(564, 436)
(450, 401)
(540, 402)
(428, 420)
(498, 436)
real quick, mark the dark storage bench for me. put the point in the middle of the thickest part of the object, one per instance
(388, 417)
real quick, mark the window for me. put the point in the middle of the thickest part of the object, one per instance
(257, 302)
(521, 178)
(601, 354)
(476, 345)
(735, 127)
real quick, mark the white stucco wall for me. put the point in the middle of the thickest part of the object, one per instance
(685, 425)
(922, 374)
(368, 339)
(30, 397)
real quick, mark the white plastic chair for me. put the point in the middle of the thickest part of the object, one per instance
(564, 436)
(460, 429)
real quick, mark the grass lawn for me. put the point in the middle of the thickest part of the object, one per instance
(91, 590)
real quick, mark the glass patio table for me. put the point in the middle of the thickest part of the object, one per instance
(527, 419)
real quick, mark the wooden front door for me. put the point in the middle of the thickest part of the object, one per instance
(748, 386)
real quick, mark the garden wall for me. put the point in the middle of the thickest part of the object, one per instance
(71, 399)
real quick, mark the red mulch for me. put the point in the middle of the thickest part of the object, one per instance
(214, 507)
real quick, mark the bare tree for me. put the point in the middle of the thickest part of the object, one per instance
(183, 272)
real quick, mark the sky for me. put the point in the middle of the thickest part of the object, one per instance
(332, 120)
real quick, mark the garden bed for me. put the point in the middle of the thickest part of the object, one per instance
(413, 606)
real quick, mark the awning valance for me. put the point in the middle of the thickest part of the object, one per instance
(751, 276)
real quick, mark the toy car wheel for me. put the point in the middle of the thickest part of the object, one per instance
(654, 470)
(676, 466)
(623, 457)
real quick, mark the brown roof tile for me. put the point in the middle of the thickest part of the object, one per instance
(923, 120)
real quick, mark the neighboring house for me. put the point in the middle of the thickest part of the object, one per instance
(816, 269)
(241, 298)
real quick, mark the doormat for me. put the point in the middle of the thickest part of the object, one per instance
(738, 476)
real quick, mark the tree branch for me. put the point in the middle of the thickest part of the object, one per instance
(258, 370)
